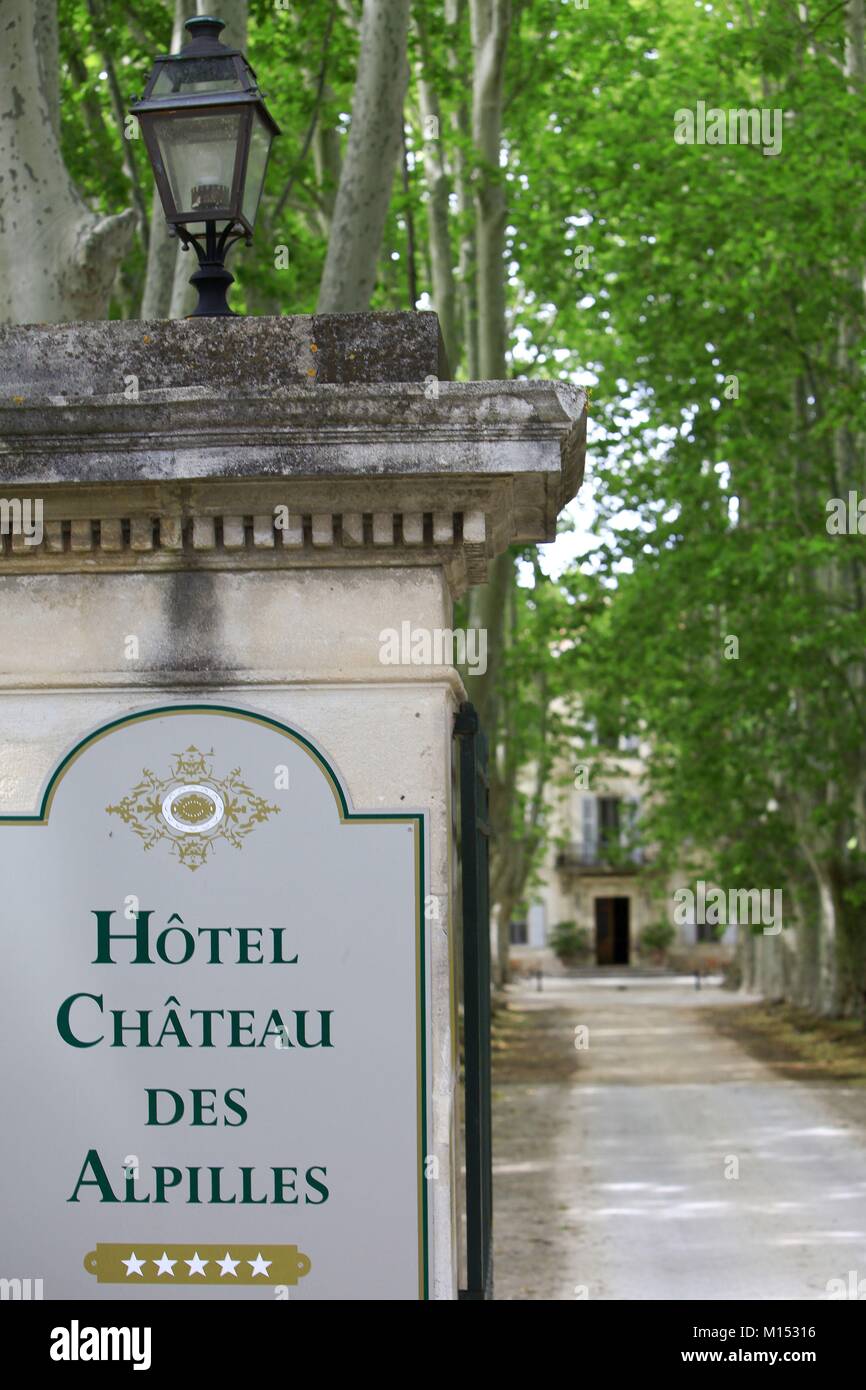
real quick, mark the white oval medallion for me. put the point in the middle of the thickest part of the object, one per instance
(193, 809)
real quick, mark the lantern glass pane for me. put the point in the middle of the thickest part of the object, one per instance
(197, 75)
(257, 163)
(198, 155)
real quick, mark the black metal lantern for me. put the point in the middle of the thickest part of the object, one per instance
(208, 135)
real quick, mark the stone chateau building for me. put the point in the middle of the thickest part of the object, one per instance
(598, 876)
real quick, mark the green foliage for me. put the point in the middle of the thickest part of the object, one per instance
(570, 943)
(657, 938)
(714, 262)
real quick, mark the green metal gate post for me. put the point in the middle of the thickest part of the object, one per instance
(475, 840)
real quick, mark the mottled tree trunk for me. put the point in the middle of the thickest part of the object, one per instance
(746, 953)
(828, 963)
(491, 21)
(364, 193)
(438, 211)
(327, 164)
(466, 263)
(57, 258)
(490, 24)
(501, 941)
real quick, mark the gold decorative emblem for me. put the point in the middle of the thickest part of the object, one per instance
(192, 809)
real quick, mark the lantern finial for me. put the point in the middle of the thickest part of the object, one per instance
(204, 27)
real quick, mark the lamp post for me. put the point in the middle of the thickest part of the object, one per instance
(208, 135)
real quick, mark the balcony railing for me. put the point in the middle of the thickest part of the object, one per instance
(601, 858)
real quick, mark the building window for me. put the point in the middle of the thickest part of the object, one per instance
(608, 823)
(518, 933)
(610, 830)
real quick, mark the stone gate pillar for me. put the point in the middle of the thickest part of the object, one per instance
(229, 556)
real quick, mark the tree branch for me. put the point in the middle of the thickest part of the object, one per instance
(317, 104)
(99, 24)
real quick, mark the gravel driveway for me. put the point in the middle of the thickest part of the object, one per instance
(673, 1165)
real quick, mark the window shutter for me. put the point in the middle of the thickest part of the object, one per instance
(590, 827)
(632, 809)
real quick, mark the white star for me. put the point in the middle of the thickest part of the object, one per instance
(259, 1266)
(164, 1265)
(196, 1265)
(134, 1260)
(228, 1266)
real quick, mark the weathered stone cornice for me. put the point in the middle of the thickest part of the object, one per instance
(370, 472)
(260, 354)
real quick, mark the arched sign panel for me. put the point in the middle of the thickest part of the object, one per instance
(213, 1023)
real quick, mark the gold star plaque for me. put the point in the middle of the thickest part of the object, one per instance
(172, 1265)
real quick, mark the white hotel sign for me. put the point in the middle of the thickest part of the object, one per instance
(213, 1023)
